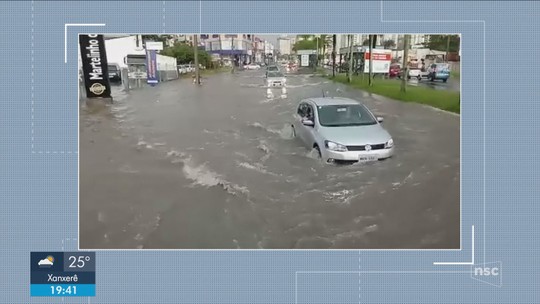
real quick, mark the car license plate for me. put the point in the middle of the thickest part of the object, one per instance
(367, 158)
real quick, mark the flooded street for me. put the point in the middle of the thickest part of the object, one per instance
(178, 166)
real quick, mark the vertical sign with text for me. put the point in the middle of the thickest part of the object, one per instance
(151, 67)
(94, 66)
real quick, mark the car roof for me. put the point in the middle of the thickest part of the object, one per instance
(333, 101)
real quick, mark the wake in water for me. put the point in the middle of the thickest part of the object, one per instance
(286, 132)
(201, 175)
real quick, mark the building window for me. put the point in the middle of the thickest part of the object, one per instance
(215, 36)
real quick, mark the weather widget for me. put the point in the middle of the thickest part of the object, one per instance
(63, 274)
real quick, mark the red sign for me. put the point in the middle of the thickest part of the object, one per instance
(378, 56)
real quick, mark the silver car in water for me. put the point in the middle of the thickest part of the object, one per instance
(342, 129)
(275, 79)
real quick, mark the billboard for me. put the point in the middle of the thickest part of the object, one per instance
(151, 67)
(94, 66)
(381, 61)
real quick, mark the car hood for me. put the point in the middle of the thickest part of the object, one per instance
(356, 135)
(275, 78)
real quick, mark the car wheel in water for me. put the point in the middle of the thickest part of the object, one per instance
(316, 147)
(444, 80)
(419, 78)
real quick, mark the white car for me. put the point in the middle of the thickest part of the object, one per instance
(275, 79)
(252, 66)
(342, 129)
(182, 69)
(415, 73)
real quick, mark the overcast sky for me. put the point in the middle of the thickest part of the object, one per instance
(271, 38)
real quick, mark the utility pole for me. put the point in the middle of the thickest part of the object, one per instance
(196, 55)
(406, 47)
(370, 80)
(349, 73)
(317, 60)
(334, 41)
(447, 47)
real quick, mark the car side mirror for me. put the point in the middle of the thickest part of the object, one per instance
(308, 123)
(380, 119)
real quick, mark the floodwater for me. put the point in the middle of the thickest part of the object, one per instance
(179, 166)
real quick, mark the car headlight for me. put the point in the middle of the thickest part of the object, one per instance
(332, 146)
(389, 144)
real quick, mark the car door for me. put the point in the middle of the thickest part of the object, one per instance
(310, 131)
(299, 127)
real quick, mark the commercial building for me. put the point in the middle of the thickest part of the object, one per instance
(120, 47)
(239, 47)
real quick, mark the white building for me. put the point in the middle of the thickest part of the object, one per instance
(117, 48)
(268, 47)
(285, 46)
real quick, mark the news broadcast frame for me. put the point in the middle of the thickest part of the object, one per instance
(496, 262)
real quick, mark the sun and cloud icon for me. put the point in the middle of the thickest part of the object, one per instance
(46, 262)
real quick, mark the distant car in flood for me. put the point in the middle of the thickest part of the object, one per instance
(252, 66)
(275, 79)
(271, 68)
(439, 71)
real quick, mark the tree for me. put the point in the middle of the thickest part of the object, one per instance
(305, 37)
(184, 53)
(389, 44)
(305, 45)
(440, 42)
(162, 38)
(365, 43)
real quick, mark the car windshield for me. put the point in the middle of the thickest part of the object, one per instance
(274, 74)
(112, 68)
(273, 68)
(345, 115)
(442, 67)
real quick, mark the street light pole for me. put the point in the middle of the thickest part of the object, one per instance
(334, 41)
(405, 63)
(196, 59)
(447, 47)
(370, 81)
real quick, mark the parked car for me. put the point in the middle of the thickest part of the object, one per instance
(182, 69)
(275, 79)
(415, 73)
(395, 71)
(342, 129)
(115, 74)
(439, 71)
